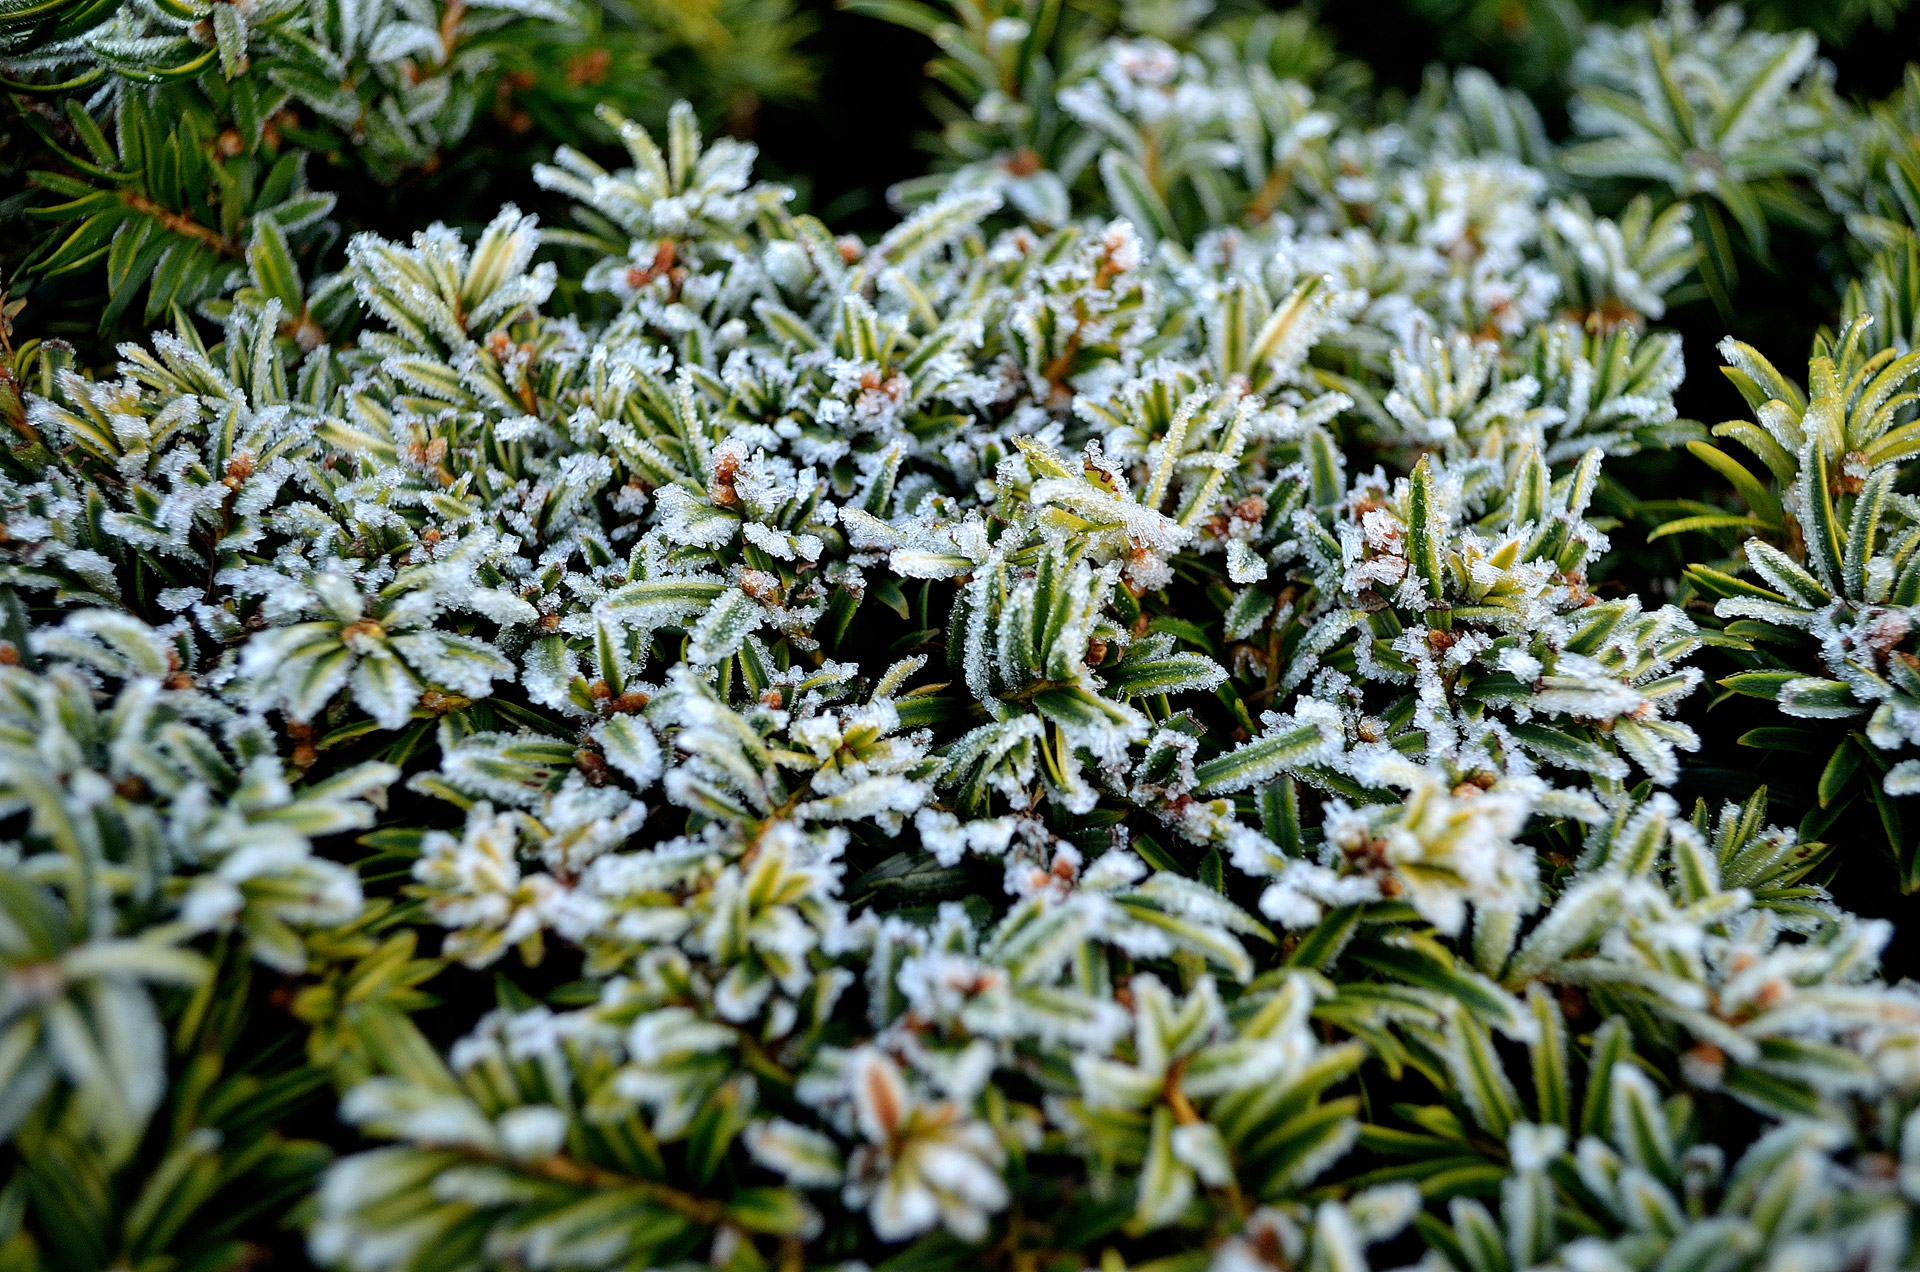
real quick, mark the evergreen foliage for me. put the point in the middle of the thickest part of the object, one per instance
(1137, 718)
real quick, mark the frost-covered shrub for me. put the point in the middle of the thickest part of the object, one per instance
(154, 150)
(1098, 727)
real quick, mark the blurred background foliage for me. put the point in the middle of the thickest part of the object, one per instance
(188, 155)
(284, 112)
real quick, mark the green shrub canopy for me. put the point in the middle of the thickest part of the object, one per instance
(1178, 709)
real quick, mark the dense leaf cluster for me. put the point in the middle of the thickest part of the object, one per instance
(1102, 726)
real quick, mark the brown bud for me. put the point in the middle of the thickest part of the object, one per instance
(590, 67)
(1023, 164)
(1573, 1003)
(721, 490)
